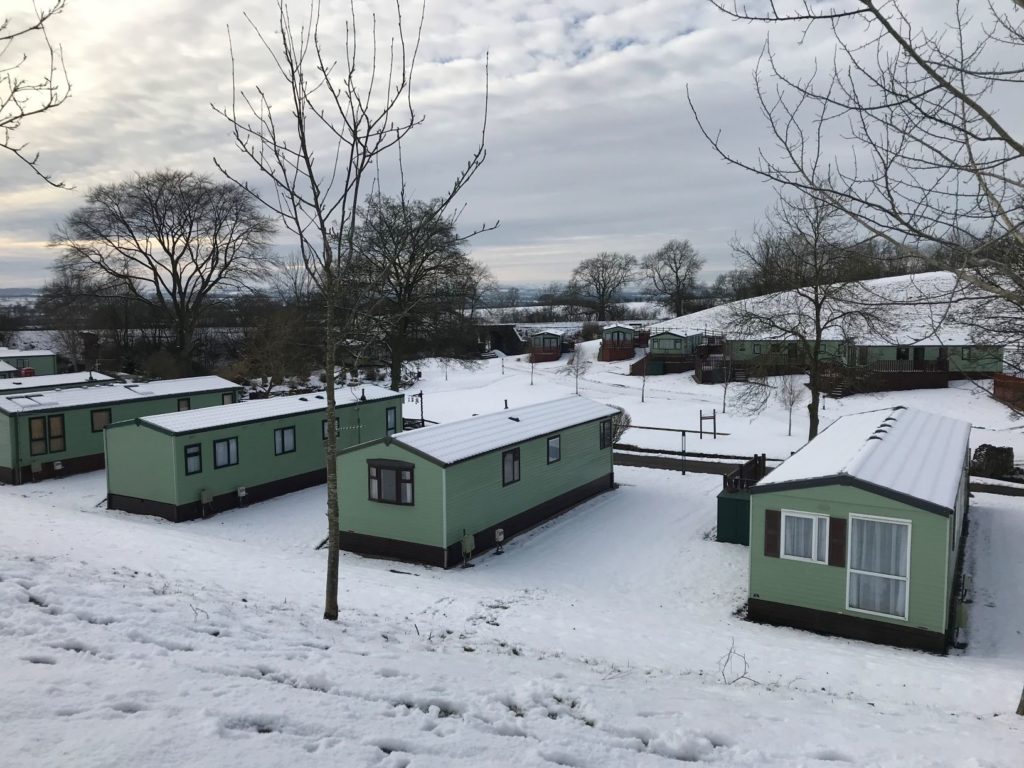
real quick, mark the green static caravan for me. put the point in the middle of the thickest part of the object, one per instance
(673, 344)
(859, 533)
(546, 346)
(618, 342)
(60, 431)
(417, 495)
(668, 352)
(55, 381)
(42, 362)
(183, 466)
(961, 360)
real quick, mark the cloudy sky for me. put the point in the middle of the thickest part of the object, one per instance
(590, 143)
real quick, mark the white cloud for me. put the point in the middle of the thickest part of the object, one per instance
(590, 143)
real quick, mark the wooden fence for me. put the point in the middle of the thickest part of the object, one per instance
(746, 474)
(1008, 389)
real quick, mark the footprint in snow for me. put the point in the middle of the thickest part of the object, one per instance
(36, 659)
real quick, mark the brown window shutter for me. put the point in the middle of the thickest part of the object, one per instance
(772, 532)
(837, 541)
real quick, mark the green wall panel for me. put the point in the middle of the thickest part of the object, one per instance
(420, 523)
(477, 499)
(823, 587)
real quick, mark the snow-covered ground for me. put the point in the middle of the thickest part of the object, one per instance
(597, 639)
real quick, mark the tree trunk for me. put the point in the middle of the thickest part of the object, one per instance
(812, 411)
(331, 459)
(396, 364)
(396, 343)
(183, 343)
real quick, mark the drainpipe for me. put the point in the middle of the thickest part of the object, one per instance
(16, 449)
(444, 514)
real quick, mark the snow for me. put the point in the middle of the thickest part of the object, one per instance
(597, 639)
(5, 367)
(50, 380)
(256, 410)
(8, 352)
(912, 452)
(455, 441)
(111, 393)
(920, 310)
(677, 334)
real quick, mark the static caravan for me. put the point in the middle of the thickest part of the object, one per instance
(546, 346)
(182, 466)
(960, 360)
(669, 345)
(618, 342)
(56, 381)
(417, 495)
(41, 362)
(60, 431)
(859, 533)
(668, 352)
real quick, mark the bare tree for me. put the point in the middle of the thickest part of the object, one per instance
(671, 274)
(170, 239)
(920, 150)
(577, 366)
(809, 242)
(790, 393)
(27, 91)
(599, 280)
(314, 158)
(621, 422)
(414, 256)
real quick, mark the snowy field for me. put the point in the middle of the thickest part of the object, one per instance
(596, 640)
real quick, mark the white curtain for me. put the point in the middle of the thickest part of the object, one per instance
(879, 557)
(389, 484)
(799, 536)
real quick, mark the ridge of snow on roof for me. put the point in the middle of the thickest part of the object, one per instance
(50, 380)
(6, 366)
(458, 440)
(181, 422)
(915, 453)
(49, 399)
(552, 331)
(8, 352)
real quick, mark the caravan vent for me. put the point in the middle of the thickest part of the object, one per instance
(205, 497)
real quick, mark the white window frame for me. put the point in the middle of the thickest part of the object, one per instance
(849, 559)
(818, 519)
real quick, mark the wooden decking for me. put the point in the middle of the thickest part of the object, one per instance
(611, 351)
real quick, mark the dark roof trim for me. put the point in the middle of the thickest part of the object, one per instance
(853, 482)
